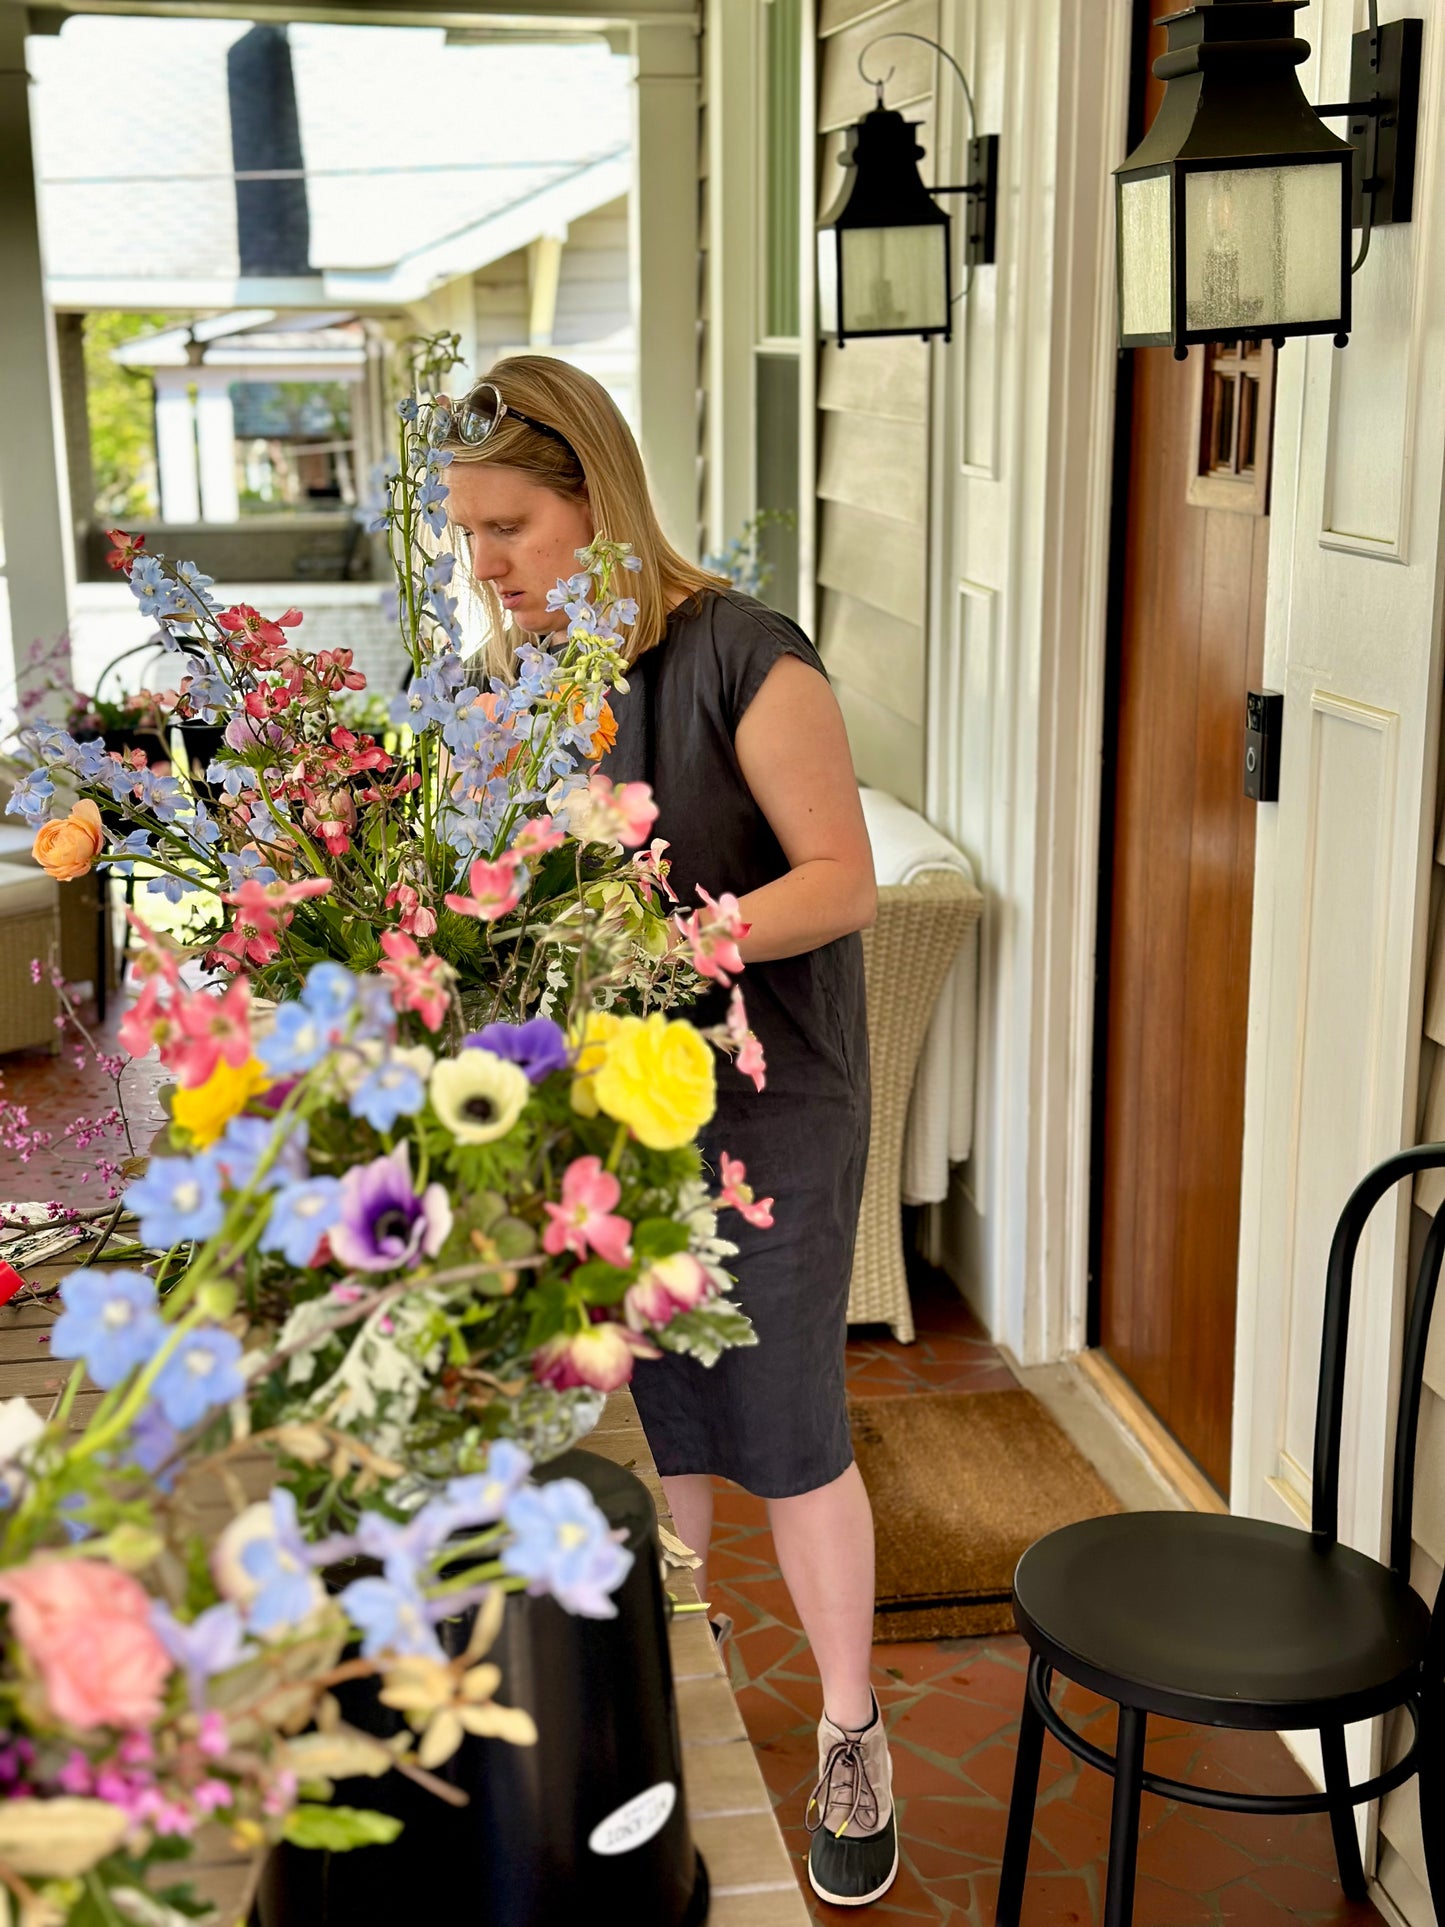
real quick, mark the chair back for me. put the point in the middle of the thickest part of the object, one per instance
(1330, 1410)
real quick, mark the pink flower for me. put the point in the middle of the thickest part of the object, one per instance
(149, 1024)
(495, 888)
(415, 919)
(212, 1739)
(737, 1194)
(212, 1028)
(749, 1050)
(601, 1357)
(650, 867)
(417, 983)
(713, 936)
(583, 1221)
(85, 1627)
(666, 1287)
(611, 813)
(536, 836)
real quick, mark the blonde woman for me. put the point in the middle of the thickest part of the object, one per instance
(730, 718)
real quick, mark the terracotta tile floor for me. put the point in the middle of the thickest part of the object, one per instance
(41, 1094)
(951, 1706)
(952, 1710)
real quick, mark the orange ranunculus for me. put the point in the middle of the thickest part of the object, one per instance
(606, 732)
(66, 850)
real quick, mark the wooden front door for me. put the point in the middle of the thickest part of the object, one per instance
(1178, 859)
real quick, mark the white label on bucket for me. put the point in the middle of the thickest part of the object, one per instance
(634, 1824)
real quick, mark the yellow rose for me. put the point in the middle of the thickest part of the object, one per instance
(66, 850)
(205, 1110)
(658, 1079)
(590, 1040)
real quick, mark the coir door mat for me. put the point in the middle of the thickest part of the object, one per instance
(962, 1484)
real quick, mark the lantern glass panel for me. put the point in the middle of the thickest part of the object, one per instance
(1263, 247)
(828, 280)
(1146, 283)
(893, 278)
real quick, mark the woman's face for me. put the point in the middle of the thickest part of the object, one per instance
(519, 535)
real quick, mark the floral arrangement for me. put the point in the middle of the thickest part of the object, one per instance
(379, 1267)
(476, 824)
(340, 1187)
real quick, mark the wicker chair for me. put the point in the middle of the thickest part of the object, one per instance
(29, 929)
(906, 957)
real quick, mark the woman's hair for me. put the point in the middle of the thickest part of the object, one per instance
(598, 462)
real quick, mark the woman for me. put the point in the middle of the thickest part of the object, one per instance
(730, 718)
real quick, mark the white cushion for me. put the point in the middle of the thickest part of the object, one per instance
(25, 889)
(17, 840)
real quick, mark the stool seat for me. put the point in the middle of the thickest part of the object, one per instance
(1223, 1621)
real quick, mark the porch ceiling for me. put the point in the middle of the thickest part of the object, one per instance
(562, 15)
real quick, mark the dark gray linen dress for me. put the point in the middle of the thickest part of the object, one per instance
(771, 1417)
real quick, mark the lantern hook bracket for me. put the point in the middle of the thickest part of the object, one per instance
(981, 187)
(1384, 116)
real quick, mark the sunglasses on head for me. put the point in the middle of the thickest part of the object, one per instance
(479, 418)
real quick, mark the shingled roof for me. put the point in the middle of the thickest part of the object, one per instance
(417, 154)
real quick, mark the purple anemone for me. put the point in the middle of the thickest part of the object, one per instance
(539, 1046)
(384, 1223)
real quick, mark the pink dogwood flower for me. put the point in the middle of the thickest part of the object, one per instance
(713, 935)
(417, 983)
(666, 1287)
(602, 1357)
(416, 918)
(737, 1194)
(495, 888)
(536, 836)
(608, 812)
(211, 1028)
(749, 1050)
(584, 1220)
(650, 867)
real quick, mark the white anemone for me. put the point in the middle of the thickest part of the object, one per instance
(478, 1095)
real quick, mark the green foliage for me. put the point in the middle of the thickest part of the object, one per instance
(120, 406)
(338, 1829)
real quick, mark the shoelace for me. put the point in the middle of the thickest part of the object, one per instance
(845, 1758)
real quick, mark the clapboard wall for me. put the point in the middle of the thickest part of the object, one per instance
(873, 438)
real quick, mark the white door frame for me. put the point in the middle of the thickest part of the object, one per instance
(1049, 1125)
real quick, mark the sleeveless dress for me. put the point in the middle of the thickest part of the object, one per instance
(772, 1417)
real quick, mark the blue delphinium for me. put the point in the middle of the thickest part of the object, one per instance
(563, 1545)
(391, 1090)
(300, 1213)
(481, 1498)
(110, 1320)
(202, 1372)
(297, 1042)
(392, 1615)
(245, 1141)
(176, 1200)
(330, 992)
(281, 1565)
(213, 1642)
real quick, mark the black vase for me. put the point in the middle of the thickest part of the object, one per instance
(588, 1824)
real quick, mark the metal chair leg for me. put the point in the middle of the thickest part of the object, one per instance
(1124, 1824)
(1431, 1787)
(1342, 1813)
(1022, 1802)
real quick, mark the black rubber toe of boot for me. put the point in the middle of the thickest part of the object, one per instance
(851, 1873)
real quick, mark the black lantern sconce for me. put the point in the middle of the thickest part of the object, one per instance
(1236, 210)
(885, 247)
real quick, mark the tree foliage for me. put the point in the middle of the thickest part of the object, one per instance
(120, 406)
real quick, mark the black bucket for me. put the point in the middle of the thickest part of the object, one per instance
(588, 1824)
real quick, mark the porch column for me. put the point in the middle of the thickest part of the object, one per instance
(176, 447)
(34, 552)
(663, 212)
(216, 444)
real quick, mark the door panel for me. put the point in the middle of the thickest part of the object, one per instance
(1178, 933)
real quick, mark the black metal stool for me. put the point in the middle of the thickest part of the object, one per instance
(1236, 1623)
